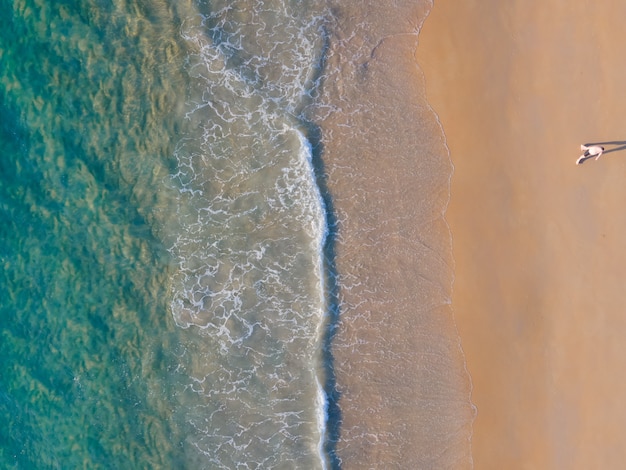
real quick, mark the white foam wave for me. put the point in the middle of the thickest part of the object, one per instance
(248, 241)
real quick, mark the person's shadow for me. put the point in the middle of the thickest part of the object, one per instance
(621, 145)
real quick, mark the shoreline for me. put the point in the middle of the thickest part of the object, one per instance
(537, 240)
(402, 389)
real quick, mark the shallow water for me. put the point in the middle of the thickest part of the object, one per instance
(402, 388)
(200, 249)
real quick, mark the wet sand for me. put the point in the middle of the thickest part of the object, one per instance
(539, 243)
(403, 391)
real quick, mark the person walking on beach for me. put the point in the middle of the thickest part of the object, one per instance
(593, 151)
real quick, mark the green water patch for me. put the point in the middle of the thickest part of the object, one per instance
(88, 118)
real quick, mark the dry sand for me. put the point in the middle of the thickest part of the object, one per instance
(539, 243)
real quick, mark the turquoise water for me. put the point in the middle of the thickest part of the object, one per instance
(162, 287)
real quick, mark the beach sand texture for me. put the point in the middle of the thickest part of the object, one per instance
(403, 390)
(539, 243)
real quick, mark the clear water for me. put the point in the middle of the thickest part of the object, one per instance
(161, 230)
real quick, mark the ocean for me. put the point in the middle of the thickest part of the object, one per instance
(223, 242)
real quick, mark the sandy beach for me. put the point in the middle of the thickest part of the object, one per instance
(538, 241)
